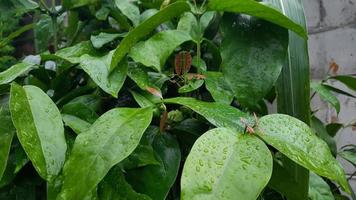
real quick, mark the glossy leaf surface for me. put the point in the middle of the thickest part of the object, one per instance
(297, 141)
(75, 123)
(220, 115)
(15, 71)
(155, 51)
(191, 86)
(39, 129)
(220, 91)
(129, 9)
(119, 132)
(253, 53)
(145, 28)
(156, 180)
(293, 94)
(100, 40)
(259, 10)
(226, 165)
(98, 69)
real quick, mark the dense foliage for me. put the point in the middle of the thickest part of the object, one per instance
(153, 99)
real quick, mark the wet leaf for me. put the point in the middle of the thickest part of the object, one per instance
(129, 9)
(98, 69)
(220, 115)
(321, 131)
(70, 4)
(297, 141)
(15, 71)
(119, 132)
(191, 86)
(156, 180)
(155, 51)
(218, 88)
(75, 123)
(100, 40)
(39, 129)
(257, 9)
(146, 27)
(226, 165)
(253, 54)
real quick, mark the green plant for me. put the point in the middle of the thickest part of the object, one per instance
(158, 100)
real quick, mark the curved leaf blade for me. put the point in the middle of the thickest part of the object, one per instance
(173, 10)
(39, 129)
(155, 51)
(297, 141)
(7, 131)
(98, 69)
(253, 53)
(349, 81)
(220, 91)
(259, 10)
(326, 95)
(220, 115)
(156, 180)
(15, 71)
(319, 189)
(225, 165)
(119, 132)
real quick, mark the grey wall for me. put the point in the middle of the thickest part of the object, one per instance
(332, 37)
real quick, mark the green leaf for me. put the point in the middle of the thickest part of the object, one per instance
(293, 95)
(108, 141)
(129, 9)
(70, 4)
(15, 34)
(75, 123)
(191, 86)
(173, 10)
(337, 90)
(15, 71)
(297, 141)
(141, 78)
(253, 53)
(321, 131)
(326, 95)
(155, 51)
(259, 10)
(349, 156)
(73, 53)
(189, 23)
(84, 107)
(141, 100)
(98, 69)
(115, 187)
(39, 129)
(7, 131)
(100, 40)
(349, 81)
(220, 115)
(156, 180)
(218, 88)
(319, 189)
(334, 128)
(226, 165)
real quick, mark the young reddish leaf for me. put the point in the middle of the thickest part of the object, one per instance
(154, 91)
(183, 62)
